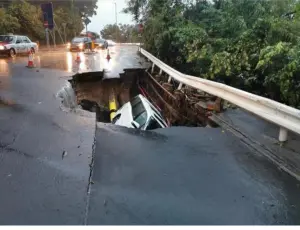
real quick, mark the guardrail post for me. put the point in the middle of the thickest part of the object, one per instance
(180, 86)
(160, 72)
(153, 65)
(169, 80)
(283, 134)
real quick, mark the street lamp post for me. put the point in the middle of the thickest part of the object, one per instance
(116, 15)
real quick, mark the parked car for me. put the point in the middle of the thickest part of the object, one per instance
(139, 113)
(12, 45)
(79, 44)
(101, 43)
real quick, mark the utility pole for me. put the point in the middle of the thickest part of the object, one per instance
(73, 17)
(47, 38)
(116, 14)
(65, 35)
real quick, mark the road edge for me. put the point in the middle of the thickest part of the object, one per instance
(254, 145)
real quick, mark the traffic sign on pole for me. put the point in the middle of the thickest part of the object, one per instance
(47, 9)
(141, 28)
(46, 24)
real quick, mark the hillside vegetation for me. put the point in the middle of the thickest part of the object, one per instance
(249, 44)
(25, 17)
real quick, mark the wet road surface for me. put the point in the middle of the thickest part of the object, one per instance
(171, 176)
(121, 57)
(182, 176)
(40, 184)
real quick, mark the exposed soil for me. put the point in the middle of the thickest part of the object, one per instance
(185, 107)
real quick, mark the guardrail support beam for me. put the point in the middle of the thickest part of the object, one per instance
(169, 80)
(153, 65)
(180, 86)
(283, 134)
(160, 72)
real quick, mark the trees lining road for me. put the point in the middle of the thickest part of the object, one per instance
(252, 45)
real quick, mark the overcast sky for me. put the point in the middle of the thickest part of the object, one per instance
(106, 15)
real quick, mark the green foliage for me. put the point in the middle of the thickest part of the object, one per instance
(253, 45)
(29, 17)
(25, 17)
(121, 33)
(8, 23)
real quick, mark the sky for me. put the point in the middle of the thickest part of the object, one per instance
(106, 15)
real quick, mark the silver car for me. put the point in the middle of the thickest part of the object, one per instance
(12, 45)
(79, 44)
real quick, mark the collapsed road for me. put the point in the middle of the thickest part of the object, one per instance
(60, 165)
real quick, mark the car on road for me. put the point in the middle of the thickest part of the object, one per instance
(139, 113)
(79, 44)
(110, 43)
(101, 43)
(12, 45)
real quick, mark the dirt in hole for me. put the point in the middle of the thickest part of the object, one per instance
(178, 107)
(93, 92)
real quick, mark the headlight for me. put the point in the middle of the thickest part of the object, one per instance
(2, 47)
(81, 45)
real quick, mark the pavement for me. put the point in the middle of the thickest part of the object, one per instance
(59, 167)
(45, 151)
(186, 176)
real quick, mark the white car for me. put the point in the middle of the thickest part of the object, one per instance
(139, 113)
(110, 43)
(12, 45)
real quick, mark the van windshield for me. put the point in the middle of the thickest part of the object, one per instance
(141, 119)
(153, 124)
(78, 39)
(7, 39)
(139, 112)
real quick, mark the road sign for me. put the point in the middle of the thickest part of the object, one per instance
(87, 21)
(46, 24)
(47, 9)
(141, 28)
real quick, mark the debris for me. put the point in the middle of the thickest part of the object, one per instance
(218, 105)
(78, 146)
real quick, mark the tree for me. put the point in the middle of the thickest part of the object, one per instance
(29, 16)
(8, 23)
(25, 17)
(252, 45)
(121, 33)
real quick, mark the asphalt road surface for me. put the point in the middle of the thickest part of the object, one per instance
(58, 167)
(121, 57)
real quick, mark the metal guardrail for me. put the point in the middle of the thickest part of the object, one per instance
(286, 117)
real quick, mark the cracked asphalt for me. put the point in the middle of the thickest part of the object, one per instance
(59, 167)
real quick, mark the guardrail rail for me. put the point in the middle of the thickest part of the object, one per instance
(286, 117)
